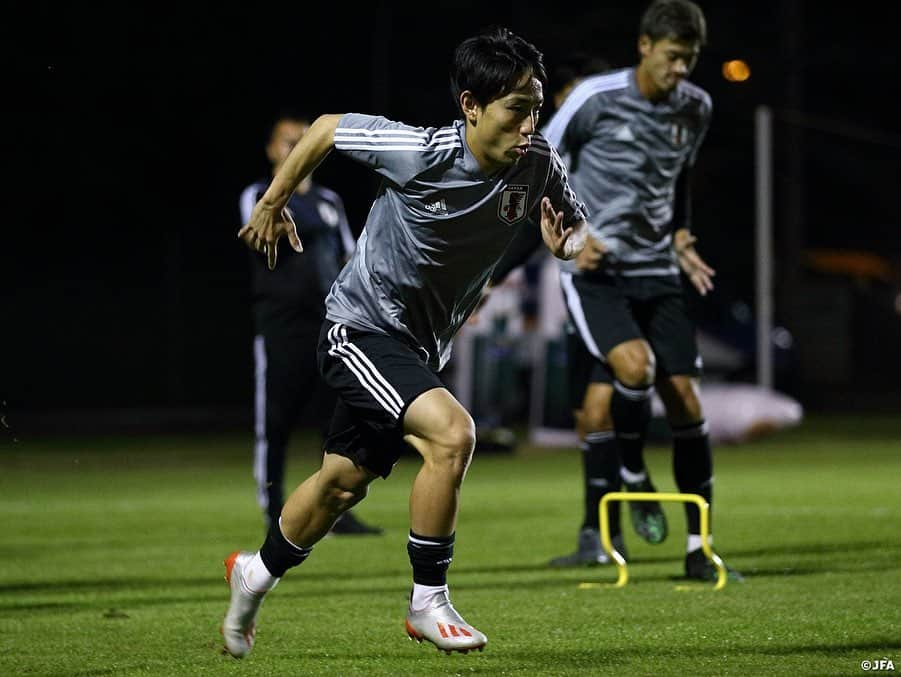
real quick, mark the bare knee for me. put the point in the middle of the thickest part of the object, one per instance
(450, 449)
(456, 444)
(442, 431)
(633, 363)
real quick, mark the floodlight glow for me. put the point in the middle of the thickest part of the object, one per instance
(736, 70)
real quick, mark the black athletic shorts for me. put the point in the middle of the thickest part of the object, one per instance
(607, 310)
(376, 377)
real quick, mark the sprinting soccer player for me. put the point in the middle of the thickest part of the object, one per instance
(288, 309)
(451, 200)
(631, 136)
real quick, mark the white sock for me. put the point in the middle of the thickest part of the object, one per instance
(423, 594)
(632, 477)
(695, 542)
(257, 577)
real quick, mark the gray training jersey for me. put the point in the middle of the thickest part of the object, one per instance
(436, 228)
(624, 155)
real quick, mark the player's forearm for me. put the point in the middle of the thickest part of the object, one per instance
(526, 241)
(312, 149)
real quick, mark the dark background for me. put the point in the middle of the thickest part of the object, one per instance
(130, 131)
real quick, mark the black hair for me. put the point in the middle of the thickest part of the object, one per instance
(287, 113)
(492, 64)
(573, 66)
(679, 20)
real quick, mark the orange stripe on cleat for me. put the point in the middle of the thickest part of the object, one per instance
(453, 629)
(412, 633)
(230, 564)
(466, 632)
(442, 630)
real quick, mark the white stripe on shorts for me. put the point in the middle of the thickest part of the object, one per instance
(574, 303)
(365, 371)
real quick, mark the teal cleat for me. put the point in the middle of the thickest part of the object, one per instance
(648, 518)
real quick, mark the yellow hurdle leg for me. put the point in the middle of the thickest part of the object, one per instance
(703, 507)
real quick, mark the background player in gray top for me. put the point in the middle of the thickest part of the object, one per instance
(629, 137)
(451, 200)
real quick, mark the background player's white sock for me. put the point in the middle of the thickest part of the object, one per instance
(632, 477)
(695, 542)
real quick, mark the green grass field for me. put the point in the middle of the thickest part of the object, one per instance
(112, 549)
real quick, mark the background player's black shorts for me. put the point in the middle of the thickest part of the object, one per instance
(606, 311)
(376, 377)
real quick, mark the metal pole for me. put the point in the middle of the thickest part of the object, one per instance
(763, 155)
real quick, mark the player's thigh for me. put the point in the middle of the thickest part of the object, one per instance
(435, 422)
(672, 335)
(376, 378)
(600, 312)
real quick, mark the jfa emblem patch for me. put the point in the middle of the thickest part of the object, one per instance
(678, 134)
(513, 203)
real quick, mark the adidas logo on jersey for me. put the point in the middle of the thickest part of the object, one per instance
(438, 206)
(624, 133)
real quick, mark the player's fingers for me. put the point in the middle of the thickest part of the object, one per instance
(547, 215)
(547, 210)
(698, 284)
(695, 261)
(699, 264)
(248, 237)
(271, 252)
(295, 241)
(555, 221)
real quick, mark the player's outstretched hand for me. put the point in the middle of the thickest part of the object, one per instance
(697, 270)
(264, 229)
(564, 243)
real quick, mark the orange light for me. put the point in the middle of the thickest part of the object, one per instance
(736, 70)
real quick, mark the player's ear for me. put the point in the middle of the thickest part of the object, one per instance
(470, 107)
(644, 45)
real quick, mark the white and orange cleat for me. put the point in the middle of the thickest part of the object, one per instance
(440, 624)
(239, 626)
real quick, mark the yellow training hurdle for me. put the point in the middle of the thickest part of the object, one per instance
(703, 507)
